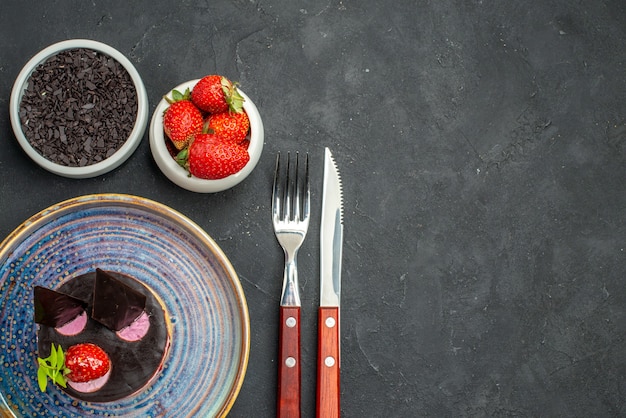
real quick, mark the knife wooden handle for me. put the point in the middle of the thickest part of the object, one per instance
(289, 363)
(328, 367)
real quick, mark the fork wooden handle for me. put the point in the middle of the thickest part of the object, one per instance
(328, 368)
(289, 363)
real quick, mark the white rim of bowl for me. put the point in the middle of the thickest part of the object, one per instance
(121, 154)
(179, 175)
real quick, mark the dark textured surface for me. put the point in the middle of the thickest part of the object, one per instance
(483, 150)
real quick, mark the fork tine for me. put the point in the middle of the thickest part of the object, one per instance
(276, 192)
(307, 190)
(287, 195)
(297, 198)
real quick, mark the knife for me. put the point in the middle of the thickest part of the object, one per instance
(331, 237)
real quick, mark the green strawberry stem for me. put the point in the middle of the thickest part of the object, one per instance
(178, 96)
(52, 367)
(182, 158)
(232, 96)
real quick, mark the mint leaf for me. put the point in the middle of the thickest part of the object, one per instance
(42, 379)
(59, 356)
(59, 379)
(52, 367)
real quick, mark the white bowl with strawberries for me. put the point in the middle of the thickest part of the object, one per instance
(206, 135)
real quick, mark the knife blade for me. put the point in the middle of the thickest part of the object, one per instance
(331, 240)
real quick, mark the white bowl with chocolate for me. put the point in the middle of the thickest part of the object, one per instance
(79, 108)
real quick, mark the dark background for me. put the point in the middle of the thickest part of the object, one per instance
(482, 145)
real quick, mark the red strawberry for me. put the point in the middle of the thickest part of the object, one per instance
(216, 94)
(210, 157)
(181, 120)
(232, 127)
(86, 362)
(82, 363)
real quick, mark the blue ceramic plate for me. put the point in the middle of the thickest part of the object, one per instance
(200, 291)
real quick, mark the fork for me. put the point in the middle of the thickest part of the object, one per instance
(290, 216)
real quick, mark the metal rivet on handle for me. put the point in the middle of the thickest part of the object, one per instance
(330, 322)
(290, 322)
(290, 362)
(329, 361)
